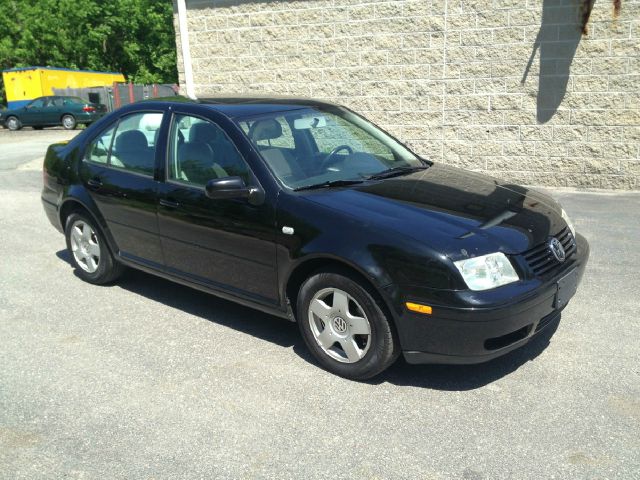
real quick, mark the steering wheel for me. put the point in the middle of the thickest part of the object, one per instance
(332, 157)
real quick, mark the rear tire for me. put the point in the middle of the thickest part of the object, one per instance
(345, 327)
(13, 123)
(90, 254)
(69, 122)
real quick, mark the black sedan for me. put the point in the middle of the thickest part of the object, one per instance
(52, 111)
(306, 210)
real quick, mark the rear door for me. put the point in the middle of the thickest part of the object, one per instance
(51, 111)
(119, 170)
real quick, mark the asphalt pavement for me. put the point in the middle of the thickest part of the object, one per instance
(146, 379)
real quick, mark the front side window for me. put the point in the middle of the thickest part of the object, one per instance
(316, 145)
(201, 151)
(37, 103)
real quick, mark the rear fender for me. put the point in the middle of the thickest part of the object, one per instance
(77, 195)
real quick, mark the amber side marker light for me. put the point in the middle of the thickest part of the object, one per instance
(416, 307)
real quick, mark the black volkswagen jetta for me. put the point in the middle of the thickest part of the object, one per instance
(305, 210)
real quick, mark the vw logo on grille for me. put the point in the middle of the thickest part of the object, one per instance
(557, 250)
(339, 324)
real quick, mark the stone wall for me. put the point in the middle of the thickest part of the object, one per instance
(508, 87)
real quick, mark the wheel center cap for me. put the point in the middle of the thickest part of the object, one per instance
(339, 324)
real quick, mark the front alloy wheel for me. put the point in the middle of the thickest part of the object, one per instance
(13, 124)
(344, 325)
(339, 325)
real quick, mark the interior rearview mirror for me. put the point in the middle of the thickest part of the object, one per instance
(305, 123)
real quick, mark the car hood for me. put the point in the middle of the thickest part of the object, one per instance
(457, 212)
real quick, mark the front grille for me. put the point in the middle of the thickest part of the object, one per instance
(541, 260)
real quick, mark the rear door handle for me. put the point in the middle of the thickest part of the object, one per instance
(94, 183)
(169, 203)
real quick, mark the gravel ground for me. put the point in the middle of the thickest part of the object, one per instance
(148, 379)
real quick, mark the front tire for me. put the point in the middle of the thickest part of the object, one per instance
(13, 124)
(90, 254)
(69, 122)
(345, 327)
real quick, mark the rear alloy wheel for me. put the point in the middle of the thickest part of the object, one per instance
(69, 122)
(89, 252)
(13, 124)
(344, 326)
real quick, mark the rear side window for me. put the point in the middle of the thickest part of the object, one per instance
(98, 151)
(74, 100)
(130, 145)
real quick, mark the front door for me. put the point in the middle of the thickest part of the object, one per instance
(32, 113)
(119, 169)
(224, 244)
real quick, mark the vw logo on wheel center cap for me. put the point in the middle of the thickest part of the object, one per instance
(557, 250)
(339, 325)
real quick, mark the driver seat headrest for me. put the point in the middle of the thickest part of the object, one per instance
(203, 132)
(269, 129)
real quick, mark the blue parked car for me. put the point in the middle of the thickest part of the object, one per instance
(52, 111)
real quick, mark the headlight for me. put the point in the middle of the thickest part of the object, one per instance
(565, 217)
(488, 271)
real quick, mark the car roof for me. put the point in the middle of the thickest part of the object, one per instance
(241, 106)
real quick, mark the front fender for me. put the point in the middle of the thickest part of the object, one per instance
(382, 256)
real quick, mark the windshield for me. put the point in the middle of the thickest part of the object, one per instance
(312, 146)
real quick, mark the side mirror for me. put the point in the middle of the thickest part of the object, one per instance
(233, 187)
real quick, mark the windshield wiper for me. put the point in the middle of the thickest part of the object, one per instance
(328, 184)
(396, 172)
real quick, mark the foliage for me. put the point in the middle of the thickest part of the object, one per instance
(586, 6)
(135, 37)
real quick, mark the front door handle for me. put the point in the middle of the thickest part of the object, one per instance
(94, 183)
(169, 203)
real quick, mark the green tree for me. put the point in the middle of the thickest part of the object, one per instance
(135, 37)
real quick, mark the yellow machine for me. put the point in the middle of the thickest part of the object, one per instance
(24, 84)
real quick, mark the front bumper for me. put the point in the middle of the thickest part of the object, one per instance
(487, 327)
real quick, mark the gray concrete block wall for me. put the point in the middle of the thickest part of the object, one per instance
(506, 87)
